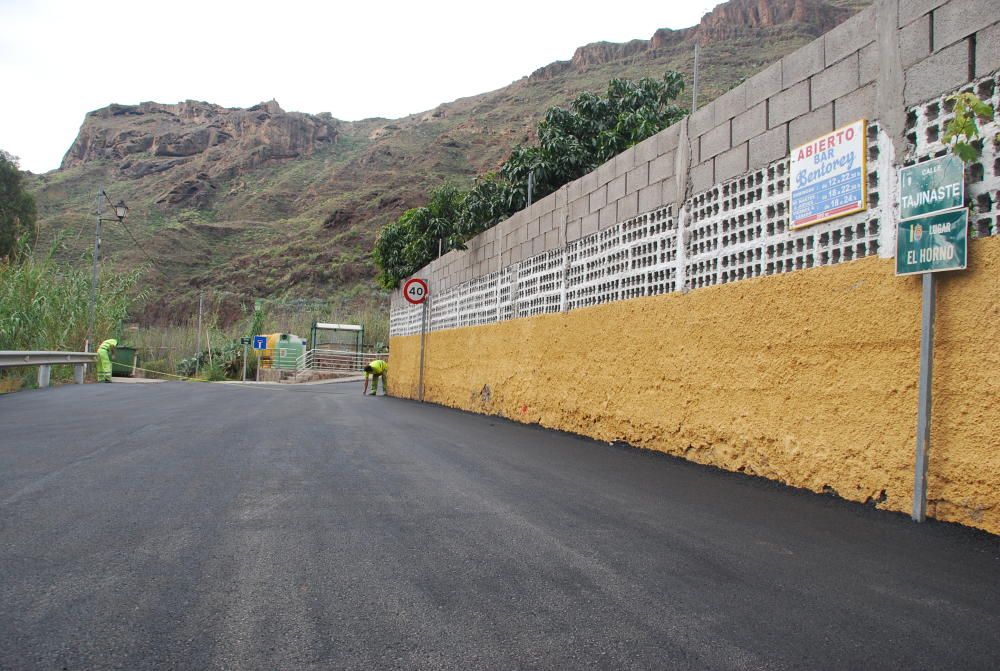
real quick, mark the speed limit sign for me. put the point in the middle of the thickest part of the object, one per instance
(415, 291)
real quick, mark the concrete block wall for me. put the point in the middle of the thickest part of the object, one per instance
(890, 57)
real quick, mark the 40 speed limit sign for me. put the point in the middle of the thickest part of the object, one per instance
(415, 291)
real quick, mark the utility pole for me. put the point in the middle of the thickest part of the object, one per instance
(197, 356)
(531, 186)
(93, 278)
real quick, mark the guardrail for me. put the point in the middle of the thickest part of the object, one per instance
(45, 361)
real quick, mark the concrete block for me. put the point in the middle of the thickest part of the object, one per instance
(763, 85)
(608, 216)
(732, 163)
(669, 191)
(616, 188)
(545, 223)
(538, 245)
(835, 81)
(663, 167)
(579, 208)
(628, 206)
(750, 123)
(868, 65)
(573, 230)
(788, 104)
(768, 147)
(988, 50)
(666, 139)
(803, 63)
(912, 9)
(637, 178)
(559, 216)
(651, 197)
(552, 240)
(546, 204)
(646, 150)
(625, 161)
(507, 258)
(703, 176)
(940, 73)
(606, 172)
(590, 224)
(958, 19)
(811, 126)
(533, 229)
(915, 41)
(857, 105)
(730, 104)
(588, 183)
(574, 190)
(561, 199)
(850, 36)
(702, 121)
(598, 199)
(714, 142)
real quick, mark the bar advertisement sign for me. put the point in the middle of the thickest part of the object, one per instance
(828, 176)
(933, 243)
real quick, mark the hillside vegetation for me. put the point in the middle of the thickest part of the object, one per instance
(260, 202)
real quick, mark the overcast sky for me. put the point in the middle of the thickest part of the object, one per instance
(60, 59)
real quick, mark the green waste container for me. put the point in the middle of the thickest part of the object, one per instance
(124, 361)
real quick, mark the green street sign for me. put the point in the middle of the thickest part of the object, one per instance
(932, 186)
(245, 340)
(933, 243)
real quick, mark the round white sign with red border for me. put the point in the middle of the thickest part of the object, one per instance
(415, 291)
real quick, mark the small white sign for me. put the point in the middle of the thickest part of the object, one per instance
(828, 176)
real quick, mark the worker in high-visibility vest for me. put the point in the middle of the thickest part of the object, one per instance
(377, 369)
(104, 354)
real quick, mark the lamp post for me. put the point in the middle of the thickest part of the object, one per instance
(121, 210)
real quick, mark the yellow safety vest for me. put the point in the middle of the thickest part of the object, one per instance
(378, 367)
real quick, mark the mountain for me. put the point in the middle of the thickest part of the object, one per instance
(261, 202)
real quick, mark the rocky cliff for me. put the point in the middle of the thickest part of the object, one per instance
(736, 18)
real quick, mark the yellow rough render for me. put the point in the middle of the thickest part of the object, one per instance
(808, 378)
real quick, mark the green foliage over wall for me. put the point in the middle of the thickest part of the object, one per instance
(571, 143)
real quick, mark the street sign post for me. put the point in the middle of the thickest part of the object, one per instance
(931, 237)
(415, 291)
(259, 343)
(245, 341)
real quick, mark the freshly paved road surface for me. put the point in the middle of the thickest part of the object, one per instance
(196, 526)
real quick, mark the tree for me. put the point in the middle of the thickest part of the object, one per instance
(17, 210)
(412, 241)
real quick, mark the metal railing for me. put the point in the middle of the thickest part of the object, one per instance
(337, 360)
(45, 361)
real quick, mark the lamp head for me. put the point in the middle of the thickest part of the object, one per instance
(121, 209)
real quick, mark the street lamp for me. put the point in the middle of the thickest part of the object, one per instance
(121, 210)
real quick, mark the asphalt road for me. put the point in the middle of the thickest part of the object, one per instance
(196, 526)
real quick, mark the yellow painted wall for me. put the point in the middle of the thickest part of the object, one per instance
(808, 378)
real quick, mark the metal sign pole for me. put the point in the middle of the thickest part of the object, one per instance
(245, 347)
(924, 398)
(423, 334)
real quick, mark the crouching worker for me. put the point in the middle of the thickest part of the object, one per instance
(378, 370)
(104, 354)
